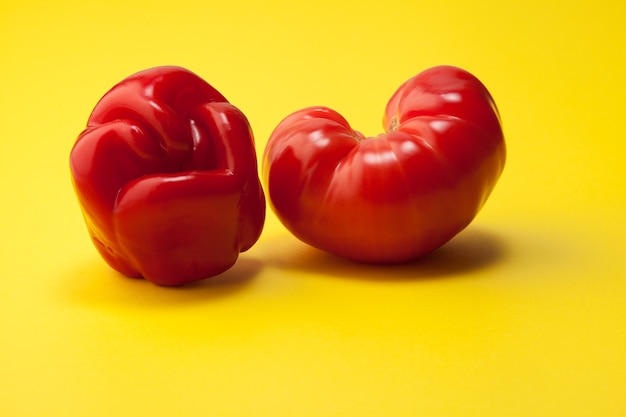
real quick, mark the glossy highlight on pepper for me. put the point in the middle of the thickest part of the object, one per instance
(166, 177)
(397, 196)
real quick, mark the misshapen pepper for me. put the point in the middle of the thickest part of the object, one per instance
(166, 177)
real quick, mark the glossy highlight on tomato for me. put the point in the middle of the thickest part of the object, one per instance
(397, 196)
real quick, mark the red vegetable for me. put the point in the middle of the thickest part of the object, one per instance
(397, 196)
(166, 177)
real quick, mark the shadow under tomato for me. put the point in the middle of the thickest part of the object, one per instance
(472, 249)
(95, 283)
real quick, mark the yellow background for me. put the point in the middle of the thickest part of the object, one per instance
(523, 314)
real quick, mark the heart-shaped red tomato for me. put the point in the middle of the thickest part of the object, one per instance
(397, 196)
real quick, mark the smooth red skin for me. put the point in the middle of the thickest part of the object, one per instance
(398, 196)
(166, 176)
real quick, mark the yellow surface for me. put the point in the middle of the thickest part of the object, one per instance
(523, 314)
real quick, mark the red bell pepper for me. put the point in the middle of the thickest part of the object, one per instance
(397, 196)
(166, 177)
